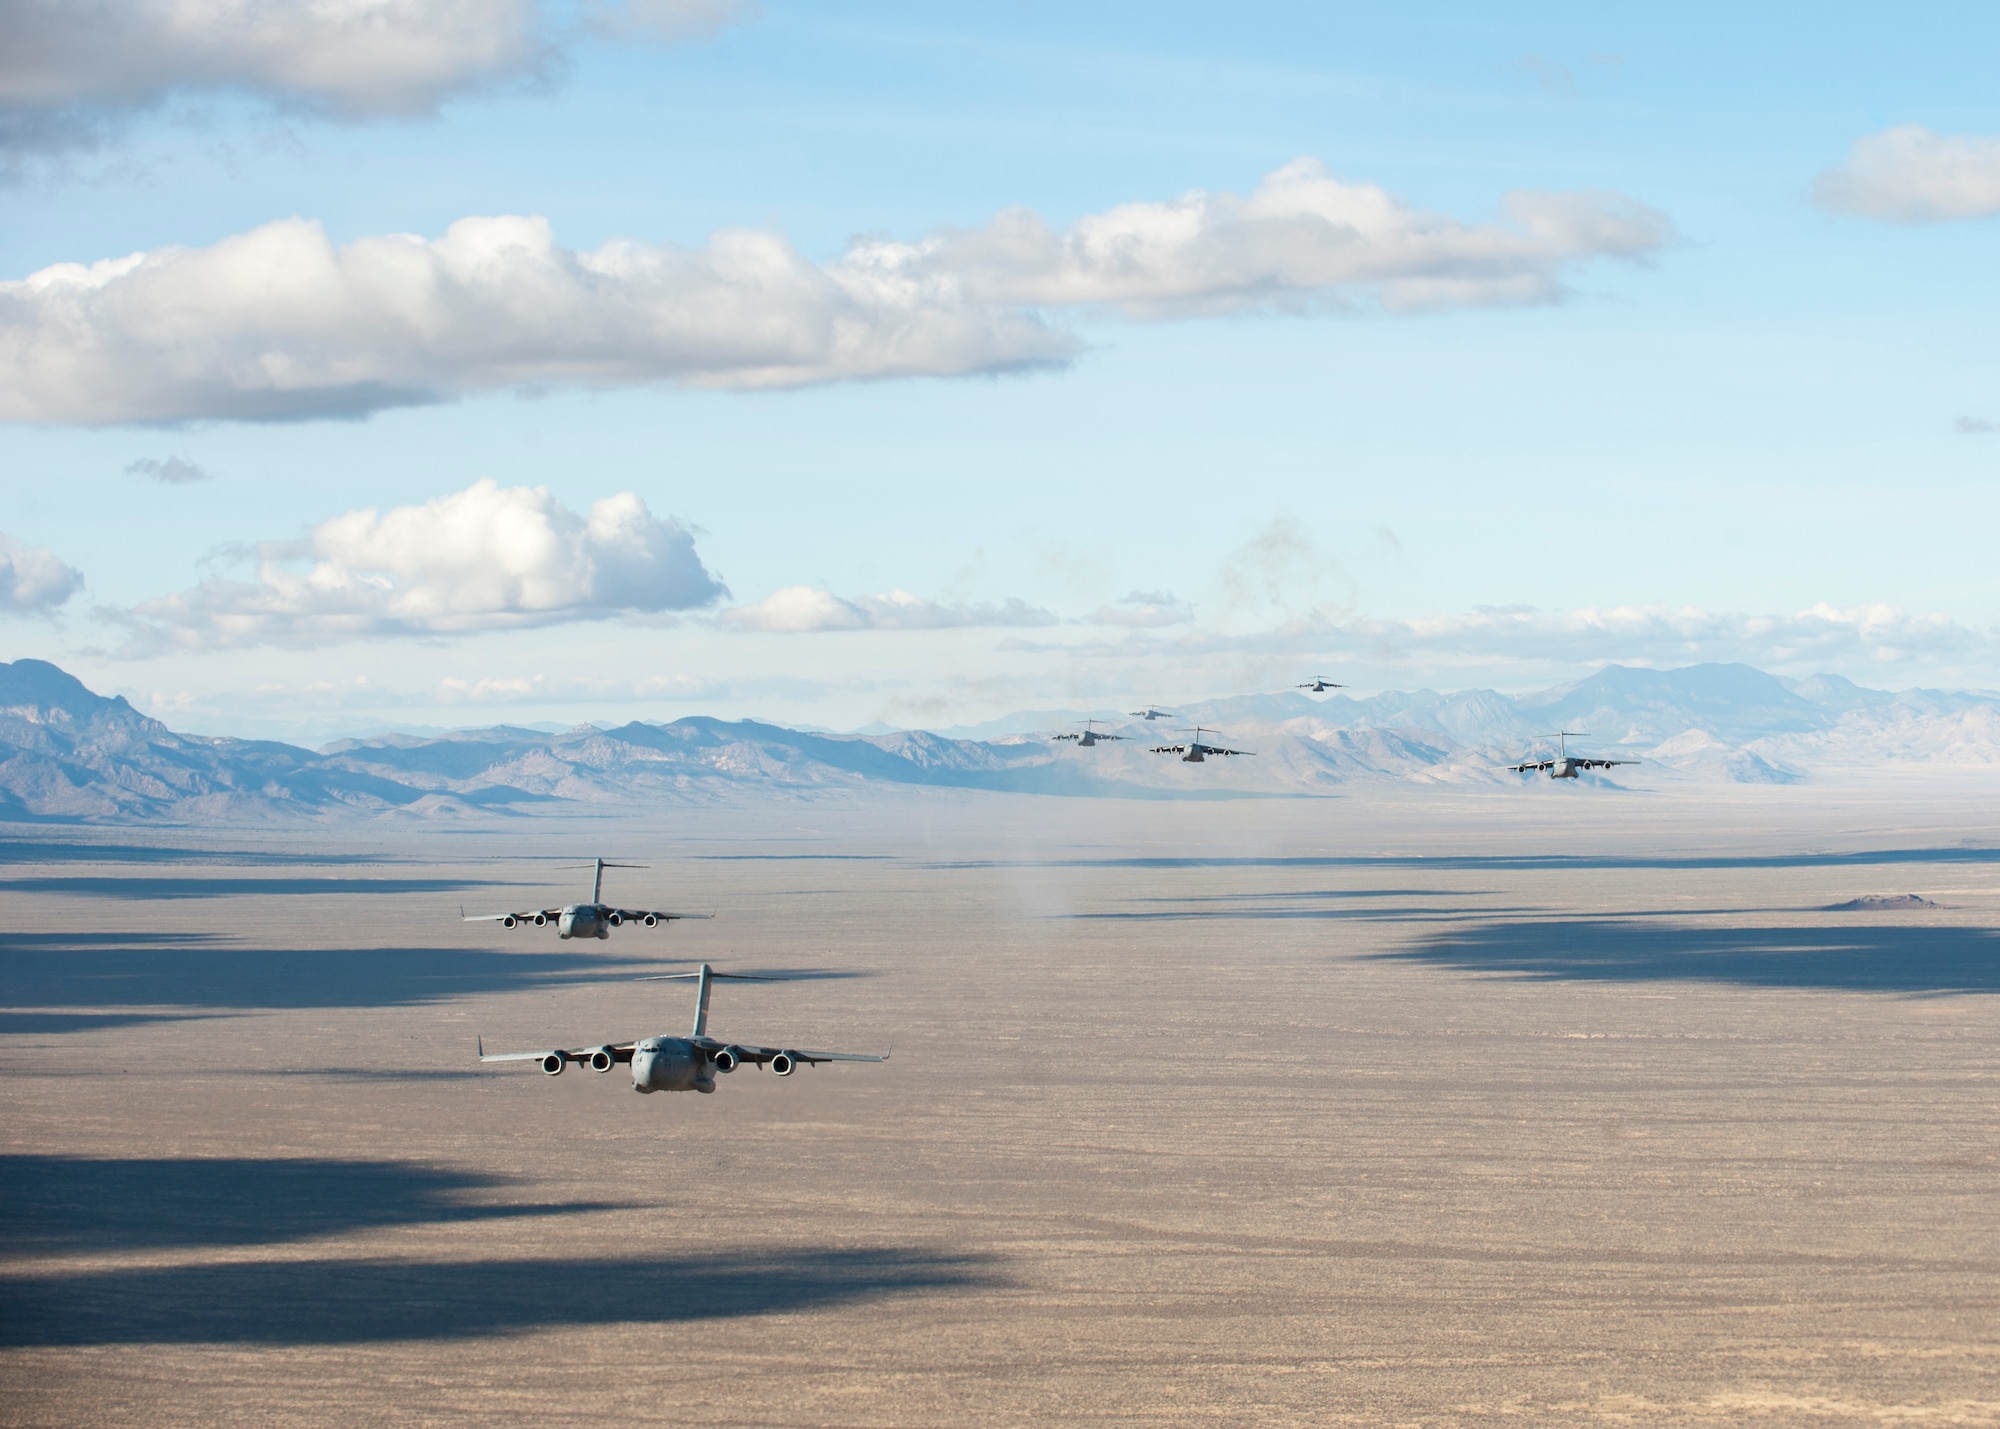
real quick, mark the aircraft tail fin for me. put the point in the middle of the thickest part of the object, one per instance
(704, 981)
(597, 867)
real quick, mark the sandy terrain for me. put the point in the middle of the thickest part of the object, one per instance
(1554, 1104)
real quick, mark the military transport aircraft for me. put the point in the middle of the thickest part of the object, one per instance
(594, 919)
(1566, 765)
(1320, 684)
(680, 1064)
(1149, 714)
(1194, 751)
(1088, 735)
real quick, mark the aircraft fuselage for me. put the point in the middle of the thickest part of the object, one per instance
(671, 1064)
(1564, 769)
(584, 920)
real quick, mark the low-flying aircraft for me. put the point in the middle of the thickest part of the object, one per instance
(594, 919)
(1320, 684)
(1566, 765)
(1194, 751)
(1088, 735)
(679, 1064)
(1149, 714)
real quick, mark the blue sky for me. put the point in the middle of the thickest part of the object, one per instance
(1756, 400)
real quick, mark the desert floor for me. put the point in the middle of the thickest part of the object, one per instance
(1435, 1108)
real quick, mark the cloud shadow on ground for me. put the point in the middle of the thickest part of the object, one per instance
(15, 849)
(110, 971)
(61, 1204)
(331, 1302)
(1322, 914)
(55, 1024)
(1485, 862)
(155, 889)
(1920, 960)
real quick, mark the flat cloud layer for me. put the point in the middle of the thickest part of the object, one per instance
(1911, 175)
(281, 323)
(1491, 640)
(800, 610)
(486, 558)
(33, 580)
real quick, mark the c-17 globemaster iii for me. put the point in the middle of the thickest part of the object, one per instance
(1194, 751)
(1089, 735)
(680, 1064)
(1566, 765)
(594, 919)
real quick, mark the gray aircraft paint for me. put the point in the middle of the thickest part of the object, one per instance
(594, 919)
(665, 1063)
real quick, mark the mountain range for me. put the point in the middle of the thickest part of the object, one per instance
(69, 754)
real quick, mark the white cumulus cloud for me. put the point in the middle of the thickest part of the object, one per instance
(283, 323)
(33, 579)
(486, 558)
(70, 70)
(1911, 174)
(1301, 236)
(800, 609)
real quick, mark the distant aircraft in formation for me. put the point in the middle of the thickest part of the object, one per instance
(1566, 765)
(1194, 751)
(1089, 734)
(1149, 714)
(594, 919)
(679, 1064)
(1320, 684)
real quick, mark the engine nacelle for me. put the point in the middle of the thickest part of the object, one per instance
(509, 921)
(602, 1060)
(553, 1064)
(726, 1059)
(541, 920)
(650, 921)
(785, 1063)
(615, 921)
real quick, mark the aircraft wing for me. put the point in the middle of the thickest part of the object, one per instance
(761, 1055)
(1169, 749)
(1603, 763)
(1213, 750)
(633, 915)
(620, 1052)
(1532, 765)
(510, 919)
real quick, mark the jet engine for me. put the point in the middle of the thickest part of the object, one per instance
(650, 921)
(509, 921)
(541, 920)
(553, 1064)
(615, 921)
(726, 1059)
(785, 1063)
(601, 1060)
